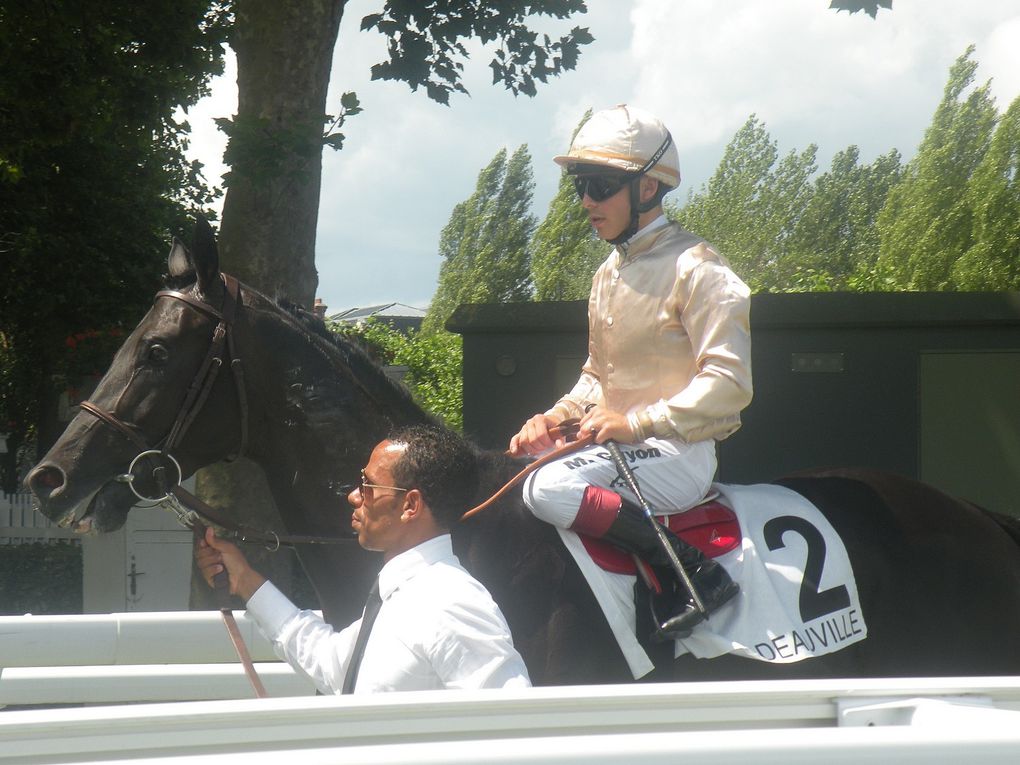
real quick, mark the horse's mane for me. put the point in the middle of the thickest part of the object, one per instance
(344, 353)
(178, 282)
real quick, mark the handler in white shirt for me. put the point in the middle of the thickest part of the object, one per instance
(438, 627)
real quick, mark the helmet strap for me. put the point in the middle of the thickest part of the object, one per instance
(636, 206)
(634, 191)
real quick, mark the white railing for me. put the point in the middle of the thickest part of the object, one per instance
(133, 657)
(146, 657)
(952, 721)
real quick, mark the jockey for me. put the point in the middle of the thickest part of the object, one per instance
(668, 371)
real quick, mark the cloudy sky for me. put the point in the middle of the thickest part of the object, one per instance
(809, 73)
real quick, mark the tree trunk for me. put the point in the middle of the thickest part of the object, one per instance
(284, 55)
(267, 235)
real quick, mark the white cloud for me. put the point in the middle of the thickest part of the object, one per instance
(208, 141)
(1000, 60)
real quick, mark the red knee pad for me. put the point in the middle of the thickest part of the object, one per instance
(599, 508)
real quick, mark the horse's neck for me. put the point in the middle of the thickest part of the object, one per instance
(314, 420)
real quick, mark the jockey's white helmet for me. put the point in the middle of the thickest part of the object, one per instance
(625, 138)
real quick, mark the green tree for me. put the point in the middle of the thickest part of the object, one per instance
(835, 237)
(564, 249)
(433, 361)
(93, 177)
(750, 206)
(992, 262)
(927, 222)
(484, 246)
(458, 243)
(723, 210)
(783, 201)
(502, 269)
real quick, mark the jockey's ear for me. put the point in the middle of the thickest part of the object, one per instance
(206, 258)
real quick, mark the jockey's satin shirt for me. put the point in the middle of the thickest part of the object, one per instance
(668, 333)
(438, 628)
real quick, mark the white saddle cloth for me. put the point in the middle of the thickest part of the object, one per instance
(798, 596)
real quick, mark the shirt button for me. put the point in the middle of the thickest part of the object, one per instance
(610, 368)
(616, 274)
(609, 320)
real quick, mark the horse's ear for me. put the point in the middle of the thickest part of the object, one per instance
(178, 262)
(206, 257)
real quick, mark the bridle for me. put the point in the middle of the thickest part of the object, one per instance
(190, 510)
(186, 505)
(222, 349)
(200, 387)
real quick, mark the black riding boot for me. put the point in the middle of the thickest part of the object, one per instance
(632, 532)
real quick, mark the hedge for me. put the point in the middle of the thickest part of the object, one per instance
(40, 578)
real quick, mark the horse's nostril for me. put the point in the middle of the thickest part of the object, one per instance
(45, 480)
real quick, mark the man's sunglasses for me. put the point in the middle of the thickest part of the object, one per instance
(364, 484)
(600, 187)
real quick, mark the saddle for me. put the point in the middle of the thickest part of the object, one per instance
(711, 527)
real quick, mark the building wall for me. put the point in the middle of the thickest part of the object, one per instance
(922, 384)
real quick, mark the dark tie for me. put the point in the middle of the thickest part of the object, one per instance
(372, 606)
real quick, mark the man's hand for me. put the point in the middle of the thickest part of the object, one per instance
(606, 424)
(534, 438)
(213, 555)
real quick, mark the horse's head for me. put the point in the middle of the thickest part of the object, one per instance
(161, 377)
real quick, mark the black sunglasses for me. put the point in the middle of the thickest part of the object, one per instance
(599, 187)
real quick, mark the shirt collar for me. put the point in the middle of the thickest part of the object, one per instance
(642, 239)
(405, 566)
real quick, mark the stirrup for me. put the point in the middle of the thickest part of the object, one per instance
(681, 625)
(678, 627)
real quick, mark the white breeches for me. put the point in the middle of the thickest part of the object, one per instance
(672, 475)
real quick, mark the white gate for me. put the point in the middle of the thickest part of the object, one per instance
(146, 566)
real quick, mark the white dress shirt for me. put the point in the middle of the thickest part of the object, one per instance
(438, 628)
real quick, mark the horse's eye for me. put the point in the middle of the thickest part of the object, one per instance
(158, 354)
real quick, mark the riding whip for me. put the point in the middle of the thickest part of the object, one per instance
(628, 476)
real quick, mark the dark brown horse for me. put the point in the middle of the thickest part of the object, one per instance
(938, 579)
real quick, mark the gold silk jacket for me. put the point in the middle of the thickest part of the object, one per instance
(668, 338)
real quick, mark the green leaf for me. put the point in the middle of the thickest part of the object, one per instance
(371, 20)
(853, 6)
(349, 101)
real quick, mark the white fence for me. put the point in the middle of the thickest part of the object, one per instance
(21, 524)
(949, 721)
(142, 657)
(133, 657)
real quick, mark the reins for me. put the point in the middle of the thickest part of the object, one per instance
(567, 429)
